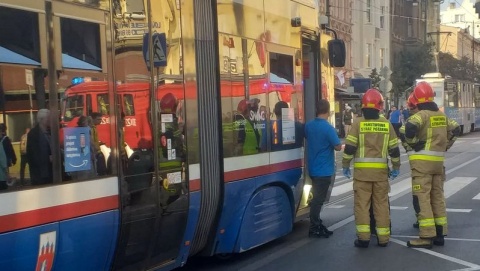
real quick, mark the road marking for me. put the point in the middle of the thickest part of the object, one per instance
(477, 197)
(476, 142)
(446, 238)
(300, 243)
(398, 208)
(340, 189)
(403, 185)
(459, 210)
(438, 255)
(456, 184)
(335, 206)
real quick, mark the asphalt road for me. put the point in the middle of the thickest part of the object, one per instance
(299, 252)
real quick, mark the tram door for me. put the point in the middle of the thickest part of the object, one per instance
(155, 192)
(310, 57)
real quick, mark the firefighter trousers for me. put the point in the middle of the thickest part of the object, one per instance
(365, 194)
(429, 203)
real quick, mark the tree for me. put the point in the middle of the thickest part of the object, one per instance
(412, 63)
(461, 69)
(375, 78)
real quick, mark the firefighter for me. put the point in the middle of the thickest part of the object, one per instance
(429, 133)
(172, 150)
(412, 110)
(370, 141)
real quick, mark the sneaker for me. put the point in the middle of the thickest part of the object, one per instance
(325, 230)
(318, 234)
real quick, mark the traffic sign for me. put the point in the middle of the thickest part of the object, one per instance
(159, 42)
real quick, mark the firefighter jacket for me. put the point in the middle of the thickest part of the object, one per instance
(369, 144)
(429, 134)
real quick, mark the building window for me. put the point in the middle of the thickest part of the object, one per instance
(341, 9)
(382, 57)
(382, 17)
(368, 12)
(368, 57)
(459, 18)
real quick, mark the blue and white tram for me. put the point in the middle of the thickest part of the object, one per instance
(212, 171)
(457, 98)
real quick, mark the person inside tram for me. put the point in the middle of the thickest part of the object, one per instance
(248, 135)
(39, 153)
(10, 158)
(172, 149)
(100, 162)
(276, 139)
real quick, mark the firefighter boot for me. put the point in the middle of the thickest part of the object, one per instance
(439, 240)
(361, 243)
(420, 243)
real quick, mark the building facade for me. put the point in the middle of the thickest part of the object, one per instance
(459, 43)
(462, 16)
(371, 36)
(341, 21)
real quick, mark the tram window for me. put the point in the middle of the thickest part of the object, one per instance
(73, 107)
(89, 104)
(21, 28)
(102, 104)
(80, 44)
(128, 106)
(281, 68)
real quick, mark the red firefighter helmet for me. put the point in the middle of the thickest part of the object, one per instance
(168, 103)
(372, 99)
(423, 93)
(242, 106)
(412, 101)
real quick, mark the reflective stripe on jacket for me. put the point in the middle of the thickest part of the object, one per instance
(372, 140)
(431, 140)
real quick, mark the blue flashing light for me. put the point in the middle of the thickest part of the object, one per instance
(77, 80)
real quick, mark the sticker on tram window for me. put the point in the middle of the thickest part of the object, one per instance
(438, 121)
(167, 118)
(174, 177)
(374, 127)
(46, 251)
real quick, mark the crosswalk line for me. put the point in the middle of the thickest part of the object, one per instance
(451, 187)
(456, 184)
(400, 187)
(335, 206)
(341, 189)
(459, 210)
(398, 208)
(476, 142)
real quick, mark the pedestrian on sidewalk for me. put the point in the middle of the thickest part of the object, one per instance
(322, 142)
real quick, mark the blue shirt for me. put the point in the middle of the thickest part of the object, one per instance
(395, 116)
(321, 140)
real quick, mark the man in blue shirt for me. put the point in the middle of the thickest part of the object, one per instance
(322, 141)
(396, 120)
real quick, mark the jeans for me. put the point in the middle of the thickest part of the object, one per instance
(320, 187)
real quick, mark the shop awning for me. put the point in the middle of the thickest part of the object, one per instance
(7, 56)
(70, 62)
